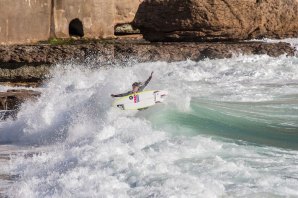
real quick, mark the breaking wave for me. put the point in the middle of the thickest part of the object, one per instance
(229, 128)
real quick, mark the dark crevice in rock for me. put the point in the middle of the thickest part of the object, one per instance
(76, 28)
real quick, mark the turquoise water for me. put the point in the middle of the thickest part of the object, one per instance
(229, 128)
(272, 123)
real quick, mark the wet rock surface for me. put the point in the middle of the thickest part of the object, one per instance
(11, 100)
(32, 63)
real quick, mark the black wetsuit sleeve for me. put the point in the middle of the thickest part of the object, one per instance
(123, 94)
(145, 84)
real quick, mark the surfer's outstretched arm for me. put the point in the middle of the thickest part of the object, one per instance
(121, 95)
(146, 82)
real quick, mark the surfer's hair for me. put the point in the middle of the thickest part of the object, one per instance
(136, 84)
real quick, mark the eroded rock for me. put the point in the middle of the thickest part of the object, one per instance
(205, 20)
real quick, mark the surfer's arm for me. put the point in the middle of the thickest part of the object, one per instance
(121, 95)
(146, 82)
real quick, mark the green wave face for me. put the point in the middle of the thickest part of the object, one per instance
(273, 123)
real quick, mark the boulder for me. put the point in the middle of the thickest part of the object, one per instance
(215, 20)
(12, 99)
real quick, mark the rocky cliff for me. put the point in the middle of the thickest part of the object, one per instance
(205, 20)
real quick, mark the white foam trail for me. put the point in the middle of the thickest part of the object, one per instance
(93, 150)
(4, 88)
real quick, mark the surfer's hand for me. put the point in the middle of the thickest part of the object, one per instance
(112, 95)
(151, 74)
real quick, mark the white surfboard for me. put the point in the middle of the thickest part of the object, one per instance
(140, 100)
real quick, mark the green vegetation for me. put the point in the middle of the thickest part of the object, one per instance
(59, 41)
(78, 41)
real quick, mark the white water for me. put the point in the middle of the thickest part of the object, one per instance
(87, 149)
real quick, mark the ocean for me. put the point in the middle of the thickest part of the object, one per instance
(229, 128)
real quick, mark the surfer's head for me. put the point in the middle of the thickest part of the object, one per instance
(136, 86)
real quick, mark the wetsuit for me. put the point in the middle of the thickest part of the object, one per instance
(141, 88)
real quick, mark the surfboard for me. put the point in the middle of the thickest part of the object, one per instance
(140, 100)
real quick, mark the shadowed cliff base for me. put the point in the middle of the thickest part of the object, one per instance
(219, 20)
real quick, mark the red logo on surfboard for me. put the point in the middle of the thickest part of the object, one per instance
(136, 99)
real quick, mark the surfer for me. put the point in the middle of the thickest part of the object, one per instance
(136, 87)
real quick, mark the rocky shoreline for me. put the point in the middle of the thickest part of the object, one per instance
(32, 63)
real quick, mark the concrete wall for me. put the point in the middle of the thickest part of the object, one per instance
(24, 21)
(27, 21)
(125, 10)
(97, 17)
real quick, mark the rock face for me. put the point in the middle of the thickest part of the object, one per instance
(197, 20)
